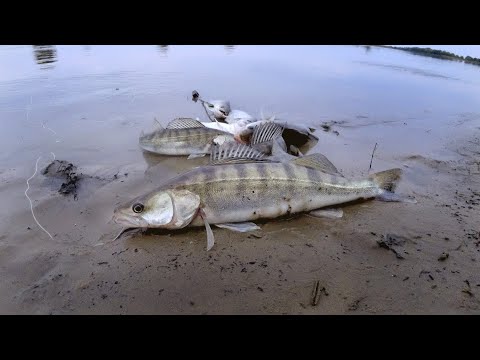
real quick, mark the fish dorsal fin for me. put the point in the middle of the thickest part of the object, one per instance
(184, 123)
(318, 162)
(266, 131)
(234, 153)
(157, 124)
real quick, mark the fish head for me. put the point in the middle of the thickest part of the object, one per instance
(167, 209)
(236, 116)
(219, 108)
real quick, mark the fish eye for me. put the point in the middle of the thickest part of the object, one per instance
(137, 208)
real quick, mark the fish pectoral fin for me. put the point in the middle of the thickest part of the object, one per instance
(327, 213)
(234, 153)
(193, 156)
(392, 197)
(210, 237)
(184, 123)
(317, 161)
(239, 227)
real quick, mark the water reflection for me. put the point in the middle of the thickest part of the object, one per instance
(163, 49)
(229, 48)
(45, 55)
(157, 164)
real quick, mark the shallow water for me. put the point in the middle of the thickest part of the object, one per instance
(88, 105)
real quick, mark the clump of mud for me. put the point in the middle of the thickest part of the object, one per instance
(64, 177)
(327, 126)
(65, 171)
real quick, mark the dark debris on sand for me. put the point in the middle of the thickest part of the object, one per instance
(327, 127)
(66, 171)
(392, 242)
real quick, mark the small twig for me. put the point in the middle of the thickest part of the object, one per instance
(373, 152)
(315, 293)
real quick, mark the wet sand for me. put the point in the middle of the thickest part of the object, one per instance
(88, 106)
(271, 271)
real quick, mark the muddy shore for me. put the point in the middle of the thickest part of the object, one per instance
(380, 258)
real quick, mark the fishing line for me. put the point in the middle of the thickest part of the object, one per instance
(28, 109)
(36, 169)
(46, 127)
(31, 204)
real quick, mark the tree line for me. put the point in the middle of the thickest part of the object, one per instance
(439, 54)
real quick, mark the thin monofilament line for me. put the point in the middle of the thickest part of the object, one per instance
(28, 109)
(31, 204)
(46, 127)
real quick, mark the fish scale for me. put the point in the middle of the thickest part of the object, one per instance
(230, 195)
(243, 192)
(181, 141)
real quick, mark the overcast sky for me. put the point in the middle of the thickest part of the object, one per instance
(462, 50)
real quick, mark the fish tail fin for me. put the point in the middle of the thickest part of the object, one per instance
(388, 179)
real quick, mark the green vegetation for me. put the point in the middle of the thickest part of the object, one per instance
(438, 54)
(471, 60)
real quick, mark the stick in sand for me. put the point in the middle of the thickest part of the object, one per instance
(373, 152)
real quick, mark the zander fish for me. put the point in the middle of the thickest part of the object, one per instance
(186, 136)
(183, 136)
(242, 185)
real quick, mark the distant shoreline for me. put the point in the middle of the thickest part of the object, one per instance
(438, 54)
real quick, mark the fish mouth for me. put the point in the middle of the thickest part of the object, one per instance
(127, 220)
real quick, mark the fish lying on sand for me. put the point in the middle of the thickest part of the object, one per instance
(242, 185)
(186, 136)
(183, 136)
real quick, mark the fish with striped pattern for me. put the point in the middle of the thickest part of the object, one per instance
(231, 194)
